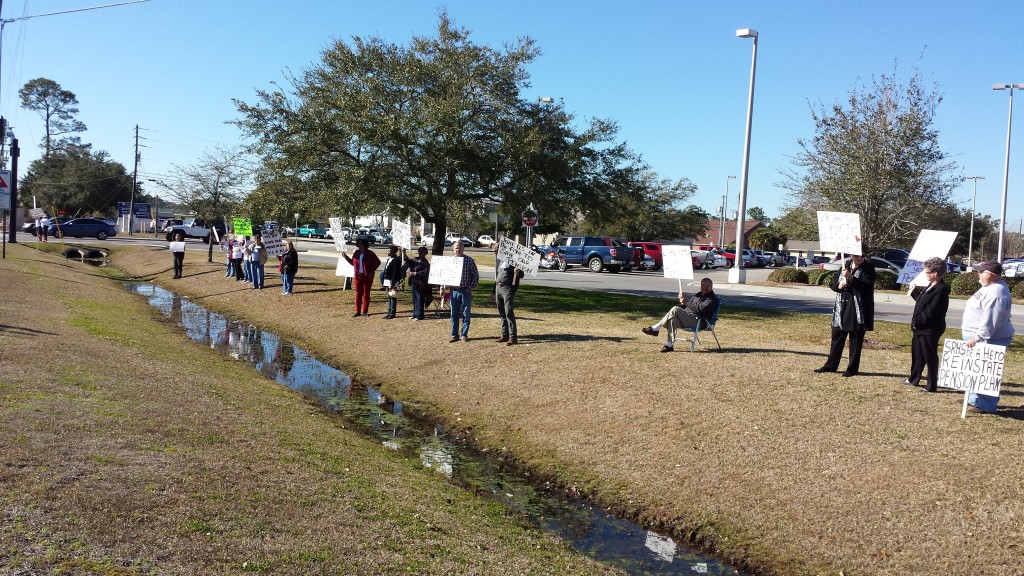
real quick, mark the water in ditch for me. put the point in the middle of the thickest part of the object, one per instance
(590, 530)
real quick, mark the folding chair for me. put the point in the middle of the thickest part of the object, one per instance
(707, 325)
(442, 296)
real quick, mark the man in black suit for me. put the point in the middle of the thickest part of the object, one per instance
(928, 324)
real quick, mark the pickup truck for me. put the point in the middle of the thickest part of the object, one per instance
(312, 230)
(195, 228)
(595, 252)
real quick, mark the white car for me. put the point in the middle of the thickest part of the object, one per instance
(486, 241)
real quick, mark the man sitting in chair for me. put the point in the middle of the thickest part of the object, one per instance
(686, 315)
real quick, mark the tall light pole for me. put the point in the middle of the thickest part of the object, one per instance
(737, 275)
(1006, 168)
(725, 211)
(974, 206)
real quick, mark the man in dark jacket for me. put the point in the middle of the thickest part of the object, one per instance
(928, 323)
(506, 284)
(701, 307)
(853, 313)
(418, 271)
(390, 278)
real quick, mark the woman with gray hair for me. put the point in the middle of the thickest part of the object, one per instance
(928, 324)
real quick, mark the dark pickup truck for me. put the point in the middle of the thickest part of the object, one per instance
(595, 252)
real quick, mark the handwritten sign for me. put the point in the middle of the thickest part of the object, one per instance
(242, 226)
(677, 262)
(445, 270)
(338, 234)
(274, 245)
(177, 246)
(401, 234)
(345, 269)
(518, 255)
(978, 369)
(930, 244)
(37, 213)
(839, 232)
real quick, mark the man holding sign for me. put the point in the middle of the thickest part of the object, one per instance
(987, 320)
(462, 294)
(686, 315)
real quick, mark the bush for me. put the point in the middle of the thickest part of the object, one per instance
(820, 277)
(885, 280)
(1018, 289)
(965, 284)
(949, 277)
(788, 276)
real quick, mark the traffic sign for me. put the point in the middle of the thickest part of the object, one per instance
(5, 189)
(530, 217)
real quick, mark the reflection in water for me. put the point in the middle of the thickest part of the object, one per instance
(605, 538)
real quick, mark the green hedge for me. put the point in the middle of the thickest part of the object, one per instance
(965, 284)
(1018, 289)
(788, 276)
(885, 280)
(820, 277)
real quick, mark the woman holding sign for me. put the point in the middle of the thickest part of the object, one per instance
(928, 323)
(178, 251)
(365, 263)
(853, 313)
(987, 320)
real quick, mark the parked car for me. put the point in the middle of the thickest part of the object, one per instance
(311, 230)
(1013, 268)
(596, 252)
(880, 264)
(653, 249)
(30, 226)
(195, 228)
(428, 240)
(772, 258)
(83, 228)
(820, 259)
(486, 241)
(792, 260)
(897, 256)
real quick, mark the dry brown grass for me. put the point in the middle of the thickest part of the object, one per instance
(745, 451)
(127, 449)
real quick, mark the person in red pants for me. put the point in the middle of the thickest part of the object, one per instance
(365, 263)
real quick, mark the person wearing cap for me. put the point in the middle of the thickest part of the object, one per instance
(462, 295)
(506, 284)
(853, 313)
(365, 263)
(987, 320)
(417, 270)
(928, 324)
(390, 278)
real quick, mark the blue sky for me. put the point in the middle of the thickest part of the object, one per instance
(671, 73)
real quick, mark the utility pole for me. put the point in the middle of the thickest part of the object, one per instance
(15, 152)
(135, 183)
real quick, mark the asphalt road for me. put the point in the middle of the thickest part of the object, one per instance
(892, 307)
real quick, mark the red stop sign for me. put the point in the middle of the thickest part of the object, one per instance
(529, 217)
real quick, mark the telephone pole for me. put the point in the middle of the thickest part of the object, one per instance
(135, 183)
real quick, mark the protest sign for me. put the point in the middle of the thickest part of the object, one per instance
(930, 244)
(978, 369)
(274, 245)
(518, 255)
(677, 262)
(338, 234)
(177, 246)
(401, 234)
(839, 232)
(37, 213)
(242, 226)
(445, 270)
(345, 268)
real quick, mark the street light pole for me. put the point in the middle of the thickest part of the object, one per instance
(974, 207)
(725, 211)
(737, 275)
(1006, 168)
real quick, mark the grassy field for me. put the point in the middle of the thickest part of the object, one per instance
(745, 452)
(127, 449)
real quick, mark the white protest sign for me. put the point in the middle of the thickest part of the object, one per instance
(518, 255)
(273, 243)
(177, 246)
(930, 244)
(445, 270)
(839, 232)
(37, 213)
(677, 262)
(978, 369)
(401, 234)
(345, 269)
(337, 234)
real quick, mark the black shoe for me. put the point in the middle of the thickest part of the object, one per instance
(667, 348)
(454, 339)
(927, 389)
(356, 315)
(824, 369)
(649, 331)
(847, 374)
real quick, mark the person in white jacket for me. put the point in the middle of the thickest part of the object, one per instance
(987, 320)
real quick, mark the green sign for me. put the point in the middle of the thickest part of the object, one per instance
(242, 226)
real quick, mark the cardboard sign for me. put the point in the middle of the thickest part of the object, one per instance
(978, 369)
(930, 244)
(345, 269)
(446, 270)
(677, 262)
(242, 226)
(518, 255)
(337, 234)
(177, 246)
(273, 244)
(37, 213)
(401, 234)
(839, 232)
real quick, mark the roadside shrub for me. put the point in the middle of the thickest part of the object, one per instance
(821, 277)
(948, 278)
(788, 276)
(885, 280)
(1018, 290)
(965, 284)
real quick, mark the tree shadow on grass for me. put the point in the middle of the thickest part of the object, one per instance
(556, 338)
(22, 331)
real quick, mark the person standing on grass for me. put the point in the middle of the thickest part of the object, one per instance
(987, 320)
(289, 267)
(179, 255)
(390, 278)
(462, 295)
(41, 228)
(853, 313)
(247, 259)
(259, 262)
(506, 284)
(927, 324)
(226, 247)
(687, 315)
(237, 255)
(365, 263)
(417, 271)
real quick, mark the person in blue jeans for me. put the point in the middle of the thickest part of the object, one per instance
(462, 295)
(289, 267)
(259, 261)
(417, 271)
(987, 320)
